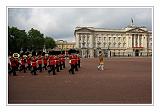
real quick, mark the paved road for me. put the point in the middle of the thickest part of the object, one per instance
(124, 81)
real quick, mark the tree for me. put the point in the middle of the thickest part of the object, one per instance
(16, 39)
(33, 40)
(49, 42)
(36, 39)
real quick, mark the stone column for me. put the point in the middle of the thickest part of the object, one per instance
(133, 40)
(138, 42)
(91, 40)
(77, 40)
(141, 41)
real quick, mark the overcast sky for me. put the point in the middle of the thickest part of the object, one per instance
(60, 23)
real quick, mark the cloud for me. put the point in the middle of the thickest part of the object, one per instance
(60, 23)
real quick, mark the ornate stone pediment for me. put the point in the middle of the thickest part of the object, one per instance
(84, 30)
(137, 30)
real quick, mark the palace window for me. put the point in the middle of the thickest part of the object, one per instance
(99, 38)
(124, 44)
(114, 38)
(104, 44)
(124, 38)
(119, 44)
(136, 41)
(119, 38)
(114, 44)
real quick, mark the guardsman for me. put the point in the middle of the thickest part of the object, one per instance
(52, 63)
(34, 65)
(13, 66)
(57, 63)
(78, 57)
(63, 61)
(45, 60)
(40, 63)
(60, 61)
(9, 64)
(75, 62)
(71, 62)
(29, 62)
(23, 62)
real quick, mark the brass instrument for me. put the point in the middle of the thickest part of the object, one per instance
(16, 55)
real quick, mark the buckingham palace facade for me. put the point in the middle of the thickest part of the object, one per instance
(129, 41)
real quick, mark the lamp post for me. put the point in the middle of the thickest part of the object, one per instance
(98, 48)
(44, 48)
(83, 43)
(105, 49)
(108, 51)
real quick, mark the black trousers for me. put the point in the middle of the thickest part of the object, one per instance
(71, 70)
(45, 66)
(29, 66)
(60, 65)
(57, 67)
(79, 63)
(23, 68)
(34, 70)
(13, 70)
(52, 68)
(40, 67)
(63, 64)
(76, 67)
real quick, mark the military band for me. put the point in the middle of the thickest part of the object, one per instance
(38, 62)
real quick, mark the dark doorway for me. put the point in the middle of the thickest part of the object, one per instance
(136, 52)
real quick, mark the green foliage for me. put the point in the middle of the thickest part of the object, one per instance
(49, 42)
(16, 39)
(31, 40)
(36, 39)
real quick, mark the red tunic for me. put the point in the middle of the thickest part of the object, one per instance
(34, 62)
(40, 60)
(53, 61)
(29, 60)
(13, 62)
(45, 60)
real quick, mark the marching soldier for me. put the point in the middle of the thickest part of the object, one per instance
(34, 66)
(52, 63)
(40, 63)
(45, 59)
(63, 61)
(9, 64)
(60, 61)
(71, 62)
(13, 65)
(29, 62)
(75, 62)
(23, 62)
(57, 63)
(78, 58)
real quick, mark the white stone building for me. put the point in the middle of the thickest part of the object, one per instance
(129, 41)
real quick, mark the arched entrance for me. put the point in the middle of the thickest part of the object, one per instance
(136, 52)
